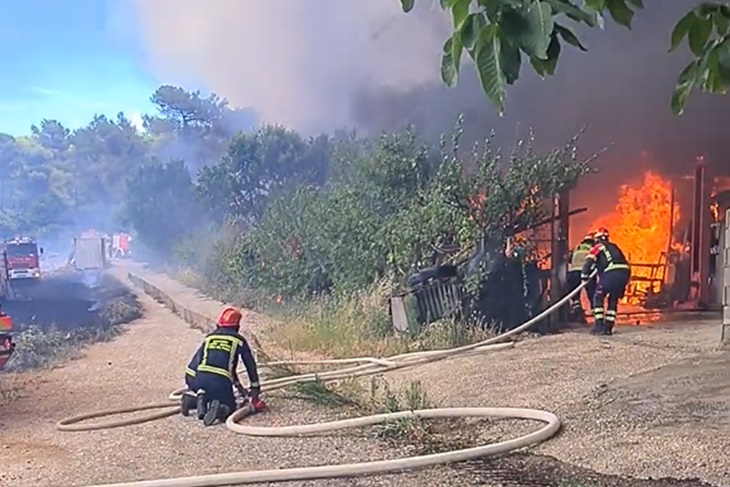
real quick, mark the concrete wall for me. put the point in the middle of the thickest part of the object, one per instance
(193, 317)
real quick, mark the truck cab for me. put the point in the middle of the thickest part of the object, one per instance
(22, 259)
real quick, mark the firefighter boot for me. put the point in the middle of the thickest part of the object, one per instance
(599, 328)
(216, 410)
(608, 328)
(212, 413)
(223, 412)
(188, 402)
(201, 405)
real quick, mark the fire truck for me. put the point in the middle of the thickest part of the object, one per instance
(21, 269)
(7, 347)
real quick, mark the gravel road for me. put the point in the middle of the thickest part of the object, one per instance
(645, 403)
(143, 365)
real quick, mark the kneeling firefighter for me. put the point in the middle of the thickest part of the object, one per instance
(576, 259)
(211, 373)
(614, 273)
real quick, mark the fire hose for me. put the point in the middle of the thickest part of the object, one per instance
(363, 367)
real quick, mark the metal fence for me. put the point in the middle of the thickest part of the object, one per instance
(428, 303)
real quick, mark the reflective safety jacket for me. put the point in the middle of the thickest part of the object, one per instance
(578, 256)
(219, 354)
(606, 256)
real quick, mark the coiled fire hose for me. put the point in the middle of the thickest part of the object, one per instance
(365, 366)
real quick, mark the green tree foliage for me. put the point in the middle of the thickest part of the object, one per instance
(57, 178)
(499, 35)
(270, 210)
(257, 166)
(382, 212)
(160, 203)
(192, 127)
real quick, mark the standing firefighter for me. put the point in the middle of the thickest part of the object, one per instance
(576, 259)
(212, 371)
(614, 273)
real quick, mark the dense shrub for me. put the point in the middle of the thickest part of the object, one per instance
(384, 207)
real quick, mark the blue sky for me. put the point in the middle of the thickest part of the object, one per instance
(68, 61)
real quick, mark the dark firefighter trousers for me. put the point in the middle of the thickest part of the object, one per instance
(192, 383)
(574, 280)
(611, 287)
(216, 387)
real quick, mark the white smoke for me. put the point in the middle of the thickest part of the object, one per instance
(297, 62)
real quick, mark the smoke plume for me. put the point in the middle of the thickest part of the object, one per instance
(321, 64)
(297, 62)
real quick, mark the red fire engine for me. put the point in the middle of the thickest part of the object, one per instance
(21, 269)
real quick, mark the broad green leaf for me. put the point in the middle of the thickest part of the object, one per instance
(449, 71)
(459, 11)
(597, 5)
(407, 5)
(573, 12)
(682, 28)
(536, 39)
(470, 29)
(722, 23)
(547, 67)
(722, 51)
(707, 9)
(492, 8)
(679, 97)
(569, 37)
(689, 73)
(489, 66)
(620, 12)
(713, 80)
(511, 59)
(699, 34)
(637, 3)
(457, 49)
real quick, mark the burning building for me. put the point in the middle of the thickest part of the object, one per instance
(669, 229)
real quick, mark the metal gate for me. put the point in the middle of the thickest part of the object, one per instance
(724, 258)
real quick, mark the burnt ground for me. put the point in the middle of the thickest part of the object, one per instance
(530, 470)
(65, 301)
(64, 312)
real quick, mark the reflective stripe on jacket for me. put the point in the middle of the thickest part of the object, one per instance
(578, 256)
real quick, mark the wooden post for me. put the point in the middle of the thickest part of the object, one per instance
(724, 257)
(700, 263)
(558, 253)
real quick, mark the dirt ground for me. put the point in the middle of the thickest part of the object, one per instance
(650, 402)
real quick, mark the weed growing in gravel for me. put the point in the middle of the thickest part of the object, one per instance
(412, 430)
(379, 398)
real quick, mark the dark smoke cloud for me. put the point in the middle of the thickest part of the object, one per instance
(322, 64)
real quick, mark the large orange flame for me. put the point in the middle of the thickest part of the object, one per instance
(641, 225)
